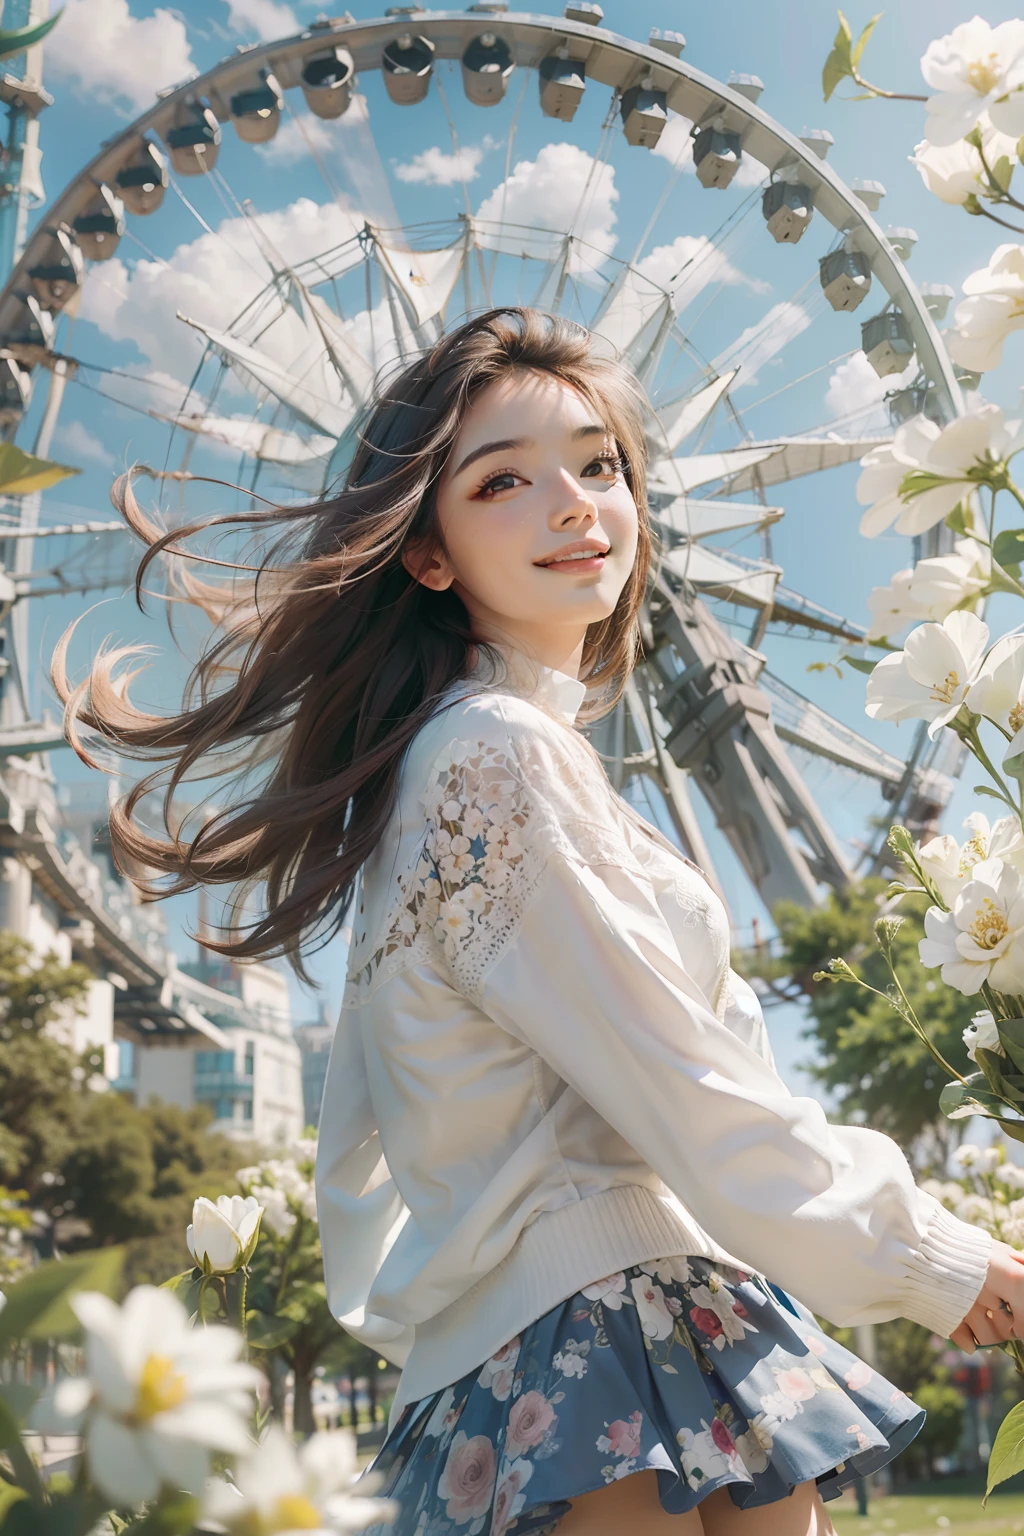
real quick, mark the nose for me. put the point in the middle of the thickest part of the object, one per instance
(571, 505)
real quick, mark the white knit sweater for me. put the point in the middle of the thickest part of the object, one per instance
(545, 1070)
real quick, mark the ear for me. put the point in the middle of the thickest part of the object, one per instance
(430, 570)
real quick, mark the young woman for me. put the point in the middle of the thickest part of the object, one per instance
(559, 1180)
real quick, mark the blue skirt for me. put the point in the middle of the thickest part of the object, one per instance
(700, 1372)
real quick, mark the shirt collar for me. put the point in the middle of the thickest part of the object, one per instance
(557, 691)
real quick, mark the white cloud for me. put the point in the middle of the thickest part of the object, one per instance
(265, 19)
(210, 279)
(118, 58)
(762, 342)
(855, 389)
(303, 135)
(76, 442)
(676, 145)
(689, 264)
(550, 193)
(434, 168)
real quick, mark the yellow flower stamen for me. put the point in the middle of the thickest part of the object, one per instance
(989, 926)
(983, 74)
(943, 692)
(1017, 716)
(160, 1388)
(972, 852)
(294, 1512)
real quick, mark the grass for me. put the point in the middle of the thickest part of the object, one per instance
(932, 1514)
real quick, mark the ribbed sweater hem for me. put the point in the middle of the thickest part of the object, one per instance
(946, 1273)
(555, 1256)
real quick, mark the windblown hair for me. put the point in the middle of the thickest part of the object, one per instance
(327, 657)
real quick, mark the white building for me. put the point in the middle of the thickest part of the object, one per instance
(253, 1081)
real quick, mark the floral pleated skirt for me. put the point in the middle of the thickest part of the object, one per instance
(699, 1372)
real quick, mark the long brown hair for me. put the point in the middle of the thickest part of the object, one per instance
(327, 658)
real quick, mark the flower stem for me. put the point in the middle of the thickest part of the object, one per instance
(876, 90)
(242, 1303)
(972, 742)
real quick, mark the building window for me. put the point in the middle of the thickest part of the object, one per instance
(247, 1109)
(215, 1061)
(249, 1060)
(225, 1109)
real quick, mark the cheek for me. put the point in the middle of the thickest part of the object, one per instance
(621, 522)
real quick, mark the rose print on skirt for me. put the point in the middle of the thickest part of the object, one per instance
(701, 1373)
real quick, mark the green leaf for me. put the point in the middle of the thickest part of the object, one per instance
(37, 1306)
(862, 664)
(839, 63)
(179, 1283)
(958, 1101)
(1011, 1038)
(1008, 547)
(264, 1331)
(24, 1468)
(20, 38)
(862, 41)
(1002, 173)
(1007, 1457)
(986, 789)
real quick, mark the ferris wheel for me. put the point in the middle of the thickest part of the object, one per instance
(736, 337)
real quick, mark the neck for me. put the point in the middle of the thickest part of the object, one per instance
(562, 653)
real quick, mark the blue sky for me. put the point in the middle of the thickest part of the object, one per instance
(106, 60)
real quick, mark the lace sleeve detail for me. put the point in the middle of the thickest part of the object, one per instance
(496, 813)
(498, 803)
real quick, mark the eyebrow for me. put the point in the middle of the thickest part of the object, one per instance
(590, 429)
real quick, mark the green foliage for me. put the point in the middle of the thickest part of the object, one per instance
(40, 1078)
(944, 1405)
(36, 1305)
(1008, 548)
(103, 1169)
(877, 1069)
(16, 40)
(1007, 1456)
(842, 63)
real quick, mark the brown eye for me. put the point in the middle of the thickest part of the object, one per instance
(503, 481)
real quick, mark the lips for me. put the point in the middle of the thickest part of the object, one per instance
(579, 552)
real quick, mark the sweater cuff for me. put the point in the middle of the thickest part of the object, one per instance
(947, 1272)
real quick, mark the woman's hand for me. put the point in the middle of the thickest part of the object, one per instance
(998, 1313)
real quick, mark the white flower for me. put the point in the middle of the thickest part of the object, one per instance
(978, 1211)
(755, 1443)
(950, 171)
(570, 1363)
(609, 1291)
(948, 864)
(971, 69)
(982, 1032)
(284, 1490)
(993, 308)
(931, 589)
(982, 938)
(1012, 1175)
(277, 1214)
(927, 471)
(998, 693)
(969, 1156)
(929, 678)
(655, 1319)
(159, 1395)
(222, 1237)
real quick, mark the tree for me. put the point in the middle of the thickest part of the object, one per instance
(868, 1058)
(101, 1169)
(40, 1078)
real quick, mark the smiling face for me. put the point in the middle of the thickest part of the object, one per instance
(533, 473)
